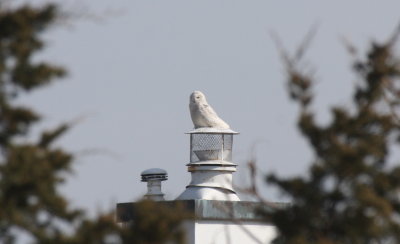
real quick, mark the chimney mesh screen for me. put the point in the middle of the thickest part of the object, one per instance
(205, 147)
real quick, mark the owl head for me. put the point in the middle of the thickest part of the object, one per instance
(197, 97)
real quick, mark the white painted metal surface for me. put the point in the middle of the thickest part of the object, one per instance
(216, 232)
(212, 176)
(153, 171)
(210, 182)
(210, 166)
(208, 193)
(153, 177)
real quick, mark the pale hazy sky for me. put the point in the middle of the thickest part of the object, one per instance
(132, 73)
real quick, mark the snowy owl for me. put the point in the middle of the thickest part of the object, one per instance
(202, 113)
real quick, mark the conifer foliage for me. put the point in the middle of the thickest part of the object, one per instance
(351, 193)
(30, 172)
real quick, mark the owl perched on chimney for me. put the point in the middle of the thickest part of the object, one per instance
(203, 115)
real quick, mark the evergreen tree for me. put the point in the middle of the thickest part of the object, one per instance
(31, 172)
(351, 193)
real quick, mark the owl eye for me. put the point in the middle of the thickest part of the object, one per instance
(198, 97)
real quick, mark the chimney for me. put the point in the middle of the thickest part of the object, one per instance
(210, 165)
(153, 177)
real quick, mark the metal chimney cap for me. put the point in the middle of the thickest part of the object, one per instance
(154, 174)
(211, 130)
(153, 171)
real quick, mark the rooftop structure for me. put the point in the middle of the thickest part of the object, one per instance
(219, 214)
(210, 165)
(153, 177)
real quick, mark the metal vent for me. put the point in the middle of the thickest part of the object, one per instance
(204, 147)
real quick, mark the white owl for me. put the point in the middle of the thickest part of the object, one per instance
(202, 113)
